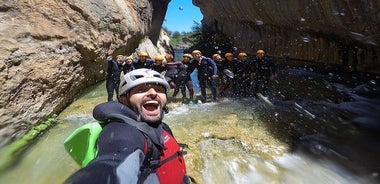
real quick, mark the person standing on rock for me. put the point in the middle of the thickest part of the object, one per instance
(113, 76)
(184, 80)
(224, 80)
(172, 70)
(246, 72)
(134, 145)
(207, 73)
(265, 71)
(236, 67)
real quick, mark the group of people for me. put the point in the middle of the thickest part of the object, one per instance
(245, 76)
(224, 76)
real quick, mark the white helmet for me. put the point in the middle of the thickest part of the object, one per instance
(141, 76)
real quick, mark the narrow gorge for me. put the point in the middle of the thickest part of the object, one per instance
(52, 50)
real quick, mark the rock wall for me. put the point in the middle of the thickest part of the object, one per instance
(330, 31)
(51, 50)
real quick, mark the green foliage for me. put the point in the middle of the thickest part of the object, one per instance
(185, 39)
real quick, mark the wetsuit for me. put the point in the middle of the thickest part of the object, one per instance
(127, 67)
(143, 64)
(247, 83)
(238, 81)
(184, 81)
(171, 75)
(206, 68)
(225, 81)
(264, 69)
(132, 152)
(158, 68)
(113, 78)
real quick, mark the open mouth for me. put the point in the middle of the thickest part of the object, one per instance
(151, 108)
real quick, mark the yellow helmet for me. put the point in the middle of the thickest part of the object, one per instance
(188, 55)
(242, 54)
(169, 56)
(143, 54)
(214, 56)
(196, 52)
(260, 51)
(159, 58)
(228, 54)
(129, 57)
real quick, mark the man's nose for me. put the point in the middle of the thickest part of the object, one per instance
(151, 92)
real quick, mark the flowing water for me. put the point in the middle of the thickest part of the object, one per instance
(318, 130)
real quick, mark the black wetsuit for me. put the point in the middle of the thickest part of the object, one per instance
(113, 79)
(143, 64)
(184, 80)
(206, 68)
(264, 69)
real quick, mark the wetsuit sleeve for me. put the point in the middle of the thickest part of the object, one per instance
(191, 67)
(213, 65)
(120, 156)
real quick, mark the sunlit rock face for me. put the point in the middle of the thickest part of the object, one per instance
(51, 50)
(322, 31)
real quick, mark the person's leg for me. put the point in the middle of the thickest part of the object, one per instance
(110, 88)
(189, 85)
(202, 85)
(182, 86)
(234, 86)
(117, 83)
(176, 90)
(212, 85)
(256, 84)
(265, 86)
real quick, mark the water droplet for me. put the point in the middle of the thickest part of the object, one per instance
(372, 82)
(259, 22)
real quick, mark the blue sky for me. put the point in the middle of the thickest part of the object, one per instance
(181, 15)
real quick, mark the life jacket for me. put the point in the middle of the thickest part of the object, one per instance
(167, 163)
(172, 159)
(170, 167)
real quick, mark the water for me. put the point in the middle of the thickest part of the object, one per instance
(306, 136)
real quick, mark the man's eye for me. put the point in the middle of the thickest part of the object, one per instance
(159, 89)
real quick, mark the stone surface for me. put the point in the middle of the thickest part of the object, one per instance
(321, 31)
(51, 50)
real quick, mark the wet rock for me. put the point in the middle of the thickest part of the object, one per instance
(51, 50)
(324, 31)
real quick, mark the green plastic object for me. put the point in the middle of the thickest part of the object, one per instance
(81, 144)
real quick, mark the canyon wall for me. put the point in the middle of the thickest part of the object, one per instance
(344, 32)
(51, 50)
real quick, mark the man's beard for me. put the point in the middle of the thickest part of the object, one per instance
(149, 119)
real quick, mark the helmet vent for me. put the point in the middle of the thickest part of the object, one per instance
(138, 76)
(159, 76)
